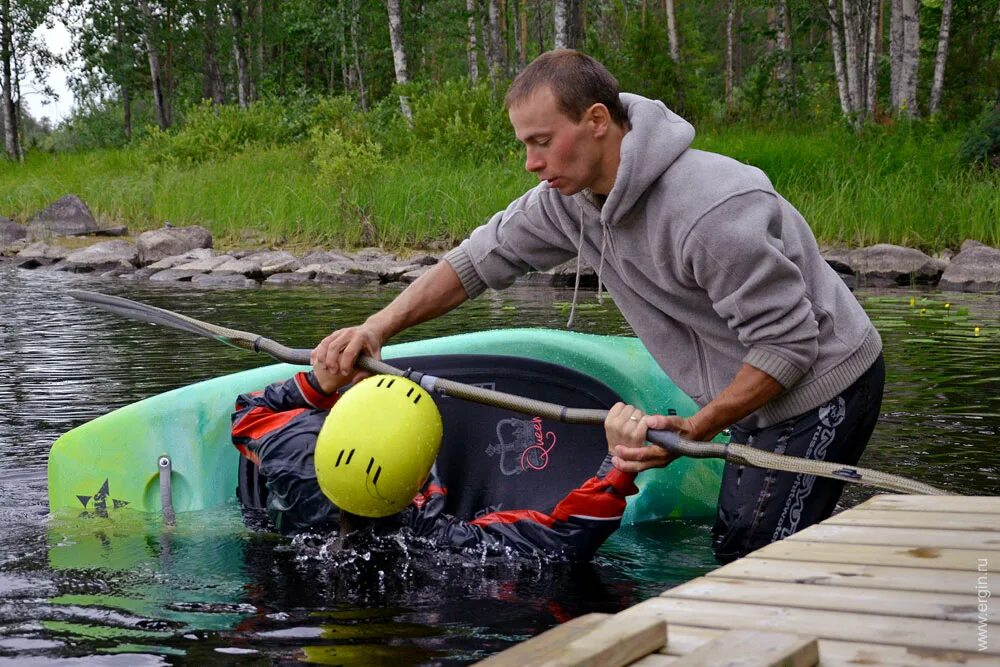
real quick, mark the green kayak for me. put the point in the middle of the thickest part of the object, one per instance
(111, 462)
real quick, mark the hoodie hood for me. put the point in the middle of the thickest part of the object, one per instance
(657, 138)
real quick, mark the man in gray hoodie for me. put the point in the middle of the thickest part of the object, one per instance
(717, 274)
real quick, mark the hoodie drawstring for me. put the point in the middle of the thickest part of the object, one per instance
(576, 283)
(600, 268)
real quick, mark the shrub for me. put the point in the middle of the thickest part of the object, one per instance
(210, 131)
(336, 158)
(981, 145)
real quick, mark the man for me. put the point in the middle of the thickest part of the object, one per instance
(277, 430)
(717, 274)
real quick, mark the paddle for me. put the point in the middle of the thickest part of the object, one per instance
(670, 441)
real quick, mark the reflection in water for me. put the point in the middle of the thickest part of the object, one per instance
(126, 590)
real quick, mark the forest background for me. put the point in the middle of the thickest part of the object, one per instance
(350, 122)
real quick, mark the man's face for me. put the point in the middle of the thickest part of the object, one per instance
(559, 150)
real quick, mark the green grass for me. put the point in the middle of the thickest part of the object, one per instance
(899, 186)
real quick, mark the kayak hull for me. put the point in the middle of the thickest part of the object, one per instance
(111, 462)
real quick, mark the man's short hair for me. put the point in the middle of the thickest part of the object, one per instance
(577, 81)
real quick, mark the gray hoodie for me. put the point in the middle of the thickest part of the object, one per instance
(710, 266)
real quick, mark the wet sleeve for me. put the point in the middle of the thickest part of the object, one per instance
(260, 413)
(736, 253)
(577, 526)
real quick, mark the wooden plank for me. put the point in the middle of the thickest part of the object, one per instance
(854, 575)
(985, 504)
(655, 660)
(946, 607)
(745, 648)
(833, 653)
(922, 557)
(615, 642)
(897, 519)
(537, 648)
(842, 626)
(842, 533)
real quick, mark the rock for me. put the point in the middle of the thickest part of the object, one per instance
(410, 276)
(173, 275)
(969, 243)
(839, 259)
(383, 272)
(275, 261)
(244, 267)
(161, 243)
(41, 254)
(67, 216)
(14, 247)
(374, 255)
(337, 272)
(120, 230)
(323, 257)
(564, 275)
(976, 268)
(424, 259)
(289, 278)
(205, 265)
(10, 231)
(188, 270)
(102, 257)
(230, 280)
(887, 265)
(177, 260)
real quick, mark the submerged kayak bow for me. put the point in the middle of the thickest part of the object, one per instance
(670, 441)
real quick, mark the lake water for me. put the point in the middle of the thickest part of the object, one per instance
(72, 590)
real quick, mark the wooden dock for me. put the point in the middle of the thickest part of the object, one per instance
(897, 580)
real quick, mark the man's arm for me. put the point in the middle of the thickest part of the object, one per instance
(431, 295)
(749, 390)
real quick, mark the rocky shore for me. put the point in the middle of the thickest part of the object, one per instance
(186, 254)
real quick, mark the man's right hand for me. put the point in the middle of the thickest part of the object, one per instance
(338, 352)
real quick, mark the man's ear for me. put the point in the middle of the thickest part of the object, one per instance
(600, 119)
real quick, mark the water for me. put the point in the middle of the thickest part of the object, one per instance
(125, 592)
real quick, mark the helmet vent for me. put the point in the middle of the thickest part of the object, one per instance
(371, 462)
(349, 457)
(389, 386)
(339, 456)
(375, 478)
(381, 380)
(417, 399)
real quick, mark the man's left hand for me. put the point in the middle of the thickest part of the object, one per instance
(644, 457)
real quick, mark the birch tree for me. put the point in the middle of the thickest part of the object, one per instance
(496, 59)
(673, 43)
(560, 21)
(941, 58)
(472, 56)
(398, 53)
(904, 55)
(9, 117)
(730, 29)
(356, 47)
(155, 71)
(853, 35)
(243, 94)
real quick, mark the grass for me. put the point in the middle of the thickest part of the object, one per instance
(900, 186)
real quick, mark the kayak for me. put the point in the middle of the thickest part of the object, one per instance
(113, 462)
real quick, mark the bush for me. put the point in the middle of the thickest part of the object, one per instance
(210, 131)
(981, 145)
(460, 122)
(336, 158)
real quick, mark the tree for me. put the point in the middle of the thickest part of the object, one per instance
(471, 53)
(398, 52)
(904, 55)
(854, 42)
(20, 50)
(240, 54)
(560, 19)
(941, 58)
(155, 71)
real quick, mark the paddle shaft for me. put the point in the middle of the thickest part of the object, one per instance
(668, 440)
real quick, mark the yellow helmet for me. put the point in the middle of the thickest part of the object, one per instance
(377, 446)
